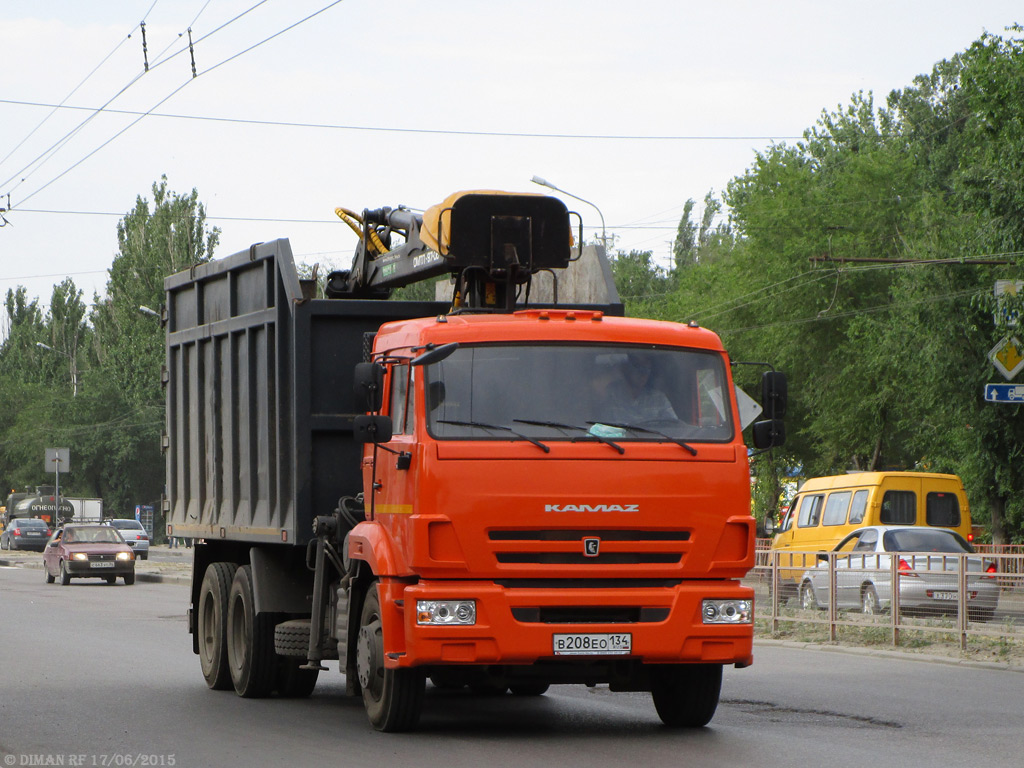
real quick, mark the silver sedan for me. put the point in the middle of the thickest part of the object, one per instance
(927, 564)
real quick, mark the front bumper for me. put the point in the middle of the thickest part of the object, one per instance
(85, 568)
(517, 625)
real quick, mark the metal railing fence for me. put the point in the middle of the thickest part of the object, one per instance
(959, 596)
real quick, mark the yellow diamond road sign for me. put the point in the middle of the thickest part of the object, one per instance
(1008, 356)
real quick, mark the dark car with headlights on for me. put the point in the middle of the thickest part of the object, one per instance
(28, 533)
(90, 552)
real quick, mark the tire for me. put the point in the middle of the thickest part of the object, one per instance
(212, 622)
(144, 556)
(129, 579)
(869, 604)
(291, 638)
(808, 600)
(110, 579)
(393, 698)
(250, 640)
(49, 576)
(65, 577)
(686, 695)
(529, 689)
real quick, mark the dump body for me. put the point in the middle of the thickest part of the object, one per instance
(259, 398)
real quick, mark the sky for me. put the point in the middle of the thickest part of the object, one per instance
(300, 106)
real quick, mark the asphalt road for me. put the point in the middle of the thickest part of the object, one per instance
(102, 675)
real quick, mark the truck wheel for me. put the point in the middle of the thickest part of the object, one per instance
(212, 619)
(393, 698)
(686, 695)
(250, 640)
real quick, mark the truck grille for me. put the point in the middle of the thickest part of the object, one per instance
(566, 547)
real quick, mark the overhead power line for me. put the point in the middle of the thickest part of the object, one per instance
(396, 129)
(175, 92)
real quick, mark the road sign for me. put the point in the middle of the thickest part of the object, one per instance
(1004, 393)
(1008, 357)
(57, 459)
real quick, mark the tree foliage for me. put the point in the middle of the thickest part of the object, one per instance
(95, 387)
(861, 260)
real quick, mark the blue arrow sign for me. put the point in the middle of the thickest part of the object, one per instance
(1004, 393)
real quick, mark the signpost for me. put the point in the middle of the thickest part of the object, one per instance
(57, 459)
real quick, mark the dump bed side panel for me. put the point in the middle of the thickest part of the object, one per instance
(259, 397)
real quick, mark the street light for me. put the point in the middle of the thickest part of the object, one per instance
(147, 311)
(545, 183)
(74, 366)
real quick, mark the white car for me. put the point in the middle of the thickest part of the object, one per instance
(927, 567)
(134, 535)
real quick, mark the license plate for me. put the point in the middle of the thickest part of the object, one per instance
(592, 643)
(101, 565)
(945, 595)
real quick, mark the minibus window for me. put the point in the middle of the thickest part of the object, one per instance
(810, 511)
(835, 508)
(942, 509)
(899, 508)
(857, 509)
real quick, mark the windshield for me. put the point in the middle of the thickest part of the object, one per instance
(126, 524)
(577, 392)
(93, 534)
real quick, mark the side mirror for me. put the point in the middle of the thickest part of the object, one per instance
(770, 433)
(372, 429)
(769, 526)
(368, 386)
(774, 394)
(434, 354)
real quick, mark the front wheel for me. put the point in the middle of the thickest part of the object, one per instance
(65, 577)
(686, 695)
(393, 698)
(49, 576)
(808, 600)
(869, 602)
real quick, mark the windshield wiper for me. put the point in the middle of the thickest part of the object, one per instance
(482, 425)
(559, 425)
(634, 428)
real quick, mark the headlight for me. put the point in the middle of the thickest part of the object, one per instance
(727, 611)
(79, 556)
(124, 555)
(446, 612)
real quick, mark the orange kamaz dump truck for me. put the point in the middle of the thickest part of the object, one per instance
(486, 493)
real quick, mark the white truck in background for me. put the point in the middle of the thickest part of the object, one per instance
(86, 510)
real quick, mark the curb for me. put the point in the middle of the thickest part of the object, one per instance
(887, 653)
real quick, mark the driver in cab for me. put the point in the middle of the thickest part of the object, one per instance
(630, 395)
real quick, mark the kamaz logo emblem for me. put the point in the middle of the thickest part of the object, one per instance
(591, 507)
(591, 547)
